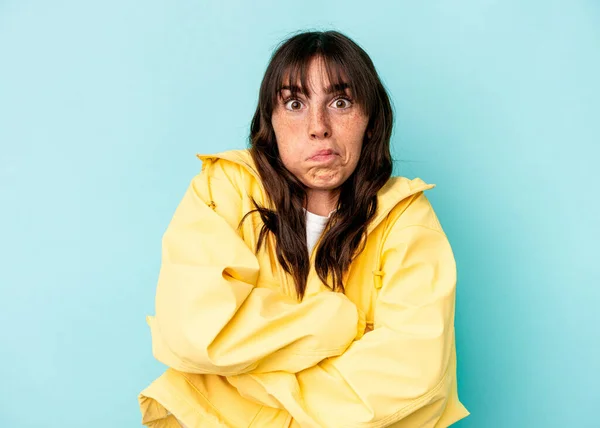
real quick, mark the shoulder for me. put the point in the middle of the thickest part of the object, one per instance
(232, 161)
(412, 220)
(414, 230)
(225, 168)
(416, 211)
(236, 166)
(232, 174)
(404, 203)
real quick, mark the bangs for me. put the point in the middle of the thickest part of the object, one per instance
(340, 73)
(346, 67)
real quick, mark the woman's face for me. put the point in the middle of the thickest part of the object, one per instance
(319, 134)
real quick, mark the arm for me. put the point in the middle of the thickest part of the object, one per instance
(400, 373)
(213, 317)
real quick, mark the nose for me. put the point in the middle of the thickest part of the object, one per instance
(319, 126)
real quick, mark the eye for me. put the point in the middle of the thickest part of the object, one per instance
(342, 102)
(293, 104)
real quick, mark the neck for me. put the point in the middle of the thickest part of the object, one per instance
(322, 202)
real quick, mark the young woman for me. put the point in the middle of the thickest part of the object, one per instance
(301, 285)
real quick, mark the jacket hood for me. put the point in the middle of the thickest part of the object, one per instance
(391, 194)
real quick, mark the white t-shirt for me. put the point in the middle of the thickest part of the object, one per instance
(314, 227)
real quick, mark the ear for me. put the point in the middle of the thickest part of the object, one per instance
(369, 134)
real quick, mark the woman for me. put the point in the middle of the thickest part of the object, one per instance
(301, 285)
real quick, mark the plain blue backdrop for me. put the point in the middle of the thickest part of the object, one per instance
(103, 106)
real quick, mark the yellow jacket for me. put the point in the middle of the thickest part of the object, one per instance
(243, 352)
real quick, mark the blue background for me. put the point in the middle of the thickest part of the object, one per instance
(103, 106)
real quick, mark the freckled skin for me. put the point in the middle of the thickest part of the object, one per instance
(324, 121)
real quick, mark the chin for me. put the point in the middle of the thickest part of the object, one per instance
(325, 181)
(325, 184)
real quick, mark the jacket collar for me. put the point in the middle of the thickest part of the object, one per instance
(391, 194)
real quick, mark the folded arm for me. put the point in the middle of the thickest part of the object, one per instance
(401, 371)
(211, 314)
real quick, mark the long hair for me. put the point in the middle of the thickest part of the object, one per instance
(345, 234)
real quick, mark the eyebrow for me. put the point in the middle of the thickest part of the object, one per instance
(336, 88)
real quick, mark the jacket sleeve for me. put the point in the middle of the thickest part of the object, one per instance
(401, 372)
(212, 316)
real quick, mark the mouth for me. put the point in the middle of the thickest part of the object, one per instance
(323, 155)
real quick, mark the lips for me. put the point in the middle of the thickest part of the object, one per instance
(321, 154)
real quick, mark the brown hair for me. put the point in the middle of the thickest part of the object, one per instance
(357, 204)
